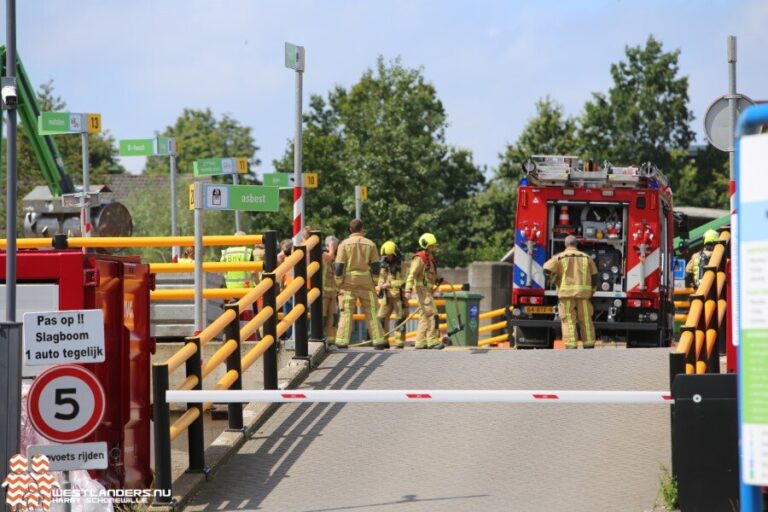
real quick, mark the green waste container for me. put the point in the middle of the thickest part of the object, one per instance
(467, 306)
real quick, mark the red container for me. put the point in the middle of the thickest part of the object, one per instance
(120, 287)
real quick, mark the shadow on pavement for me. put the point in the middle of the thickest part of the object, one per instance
(232, 489)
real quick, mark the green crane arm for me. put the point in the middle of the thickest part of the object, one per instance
(46, 152)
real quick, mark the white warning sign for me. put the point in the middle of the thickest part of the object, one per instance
(53, 337)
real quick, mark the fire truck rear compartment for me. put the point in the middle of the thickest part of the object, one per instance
(600, 228)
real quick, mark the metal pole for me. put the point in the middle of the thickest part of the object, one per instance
(195, 432)
(66, 486)
(316, 309)
(270, 329)
(198, 258)
(85, 202)
(234, 363)
(10, 393)
(298, 185)
(162, 429)
(175, 251)
(10, 201)
(300, 298)
(732, 99)
(358, 203)
(236, 181)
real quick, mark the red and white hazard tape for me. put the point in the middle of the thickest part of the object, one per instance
(423, 396)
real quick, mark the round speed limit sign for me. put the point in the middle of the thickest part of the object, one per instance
(66, 403)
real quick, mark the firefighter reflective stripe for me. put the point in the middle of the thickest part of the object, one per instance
(585, 322)
(634, 276)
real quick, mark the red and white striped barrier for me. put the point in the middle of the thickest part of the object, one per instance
(422, 396)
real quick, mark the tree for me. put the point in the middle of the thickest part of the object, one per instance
(200, 135)
(549, 132)
(645, 114)
(387, 132)
(703, 179)
(102, 154)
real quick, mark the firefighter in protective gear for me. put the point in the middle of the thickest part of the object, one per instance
(237, 278)
(330, 289)
(422, 279)
(188, 256)
(694, 269)
(575, 275)
(357, 258)
(391, 294)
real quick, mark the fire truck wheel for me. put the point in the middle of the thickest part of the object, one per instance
(533, 337)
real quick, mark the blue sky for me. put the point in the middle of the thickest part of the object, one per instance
(140, 62)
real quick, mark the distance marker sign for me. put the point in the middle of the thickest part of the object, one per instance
(64, 337)
(65, 403)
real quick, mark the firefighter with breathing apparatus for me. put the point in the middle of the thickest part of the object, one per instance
(694, 270)
(391, 294)
(422, 279)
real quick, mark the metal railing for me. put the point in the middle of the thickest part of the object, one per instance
(65, 242)
(495, 325)
(305, 288)
(703, 333)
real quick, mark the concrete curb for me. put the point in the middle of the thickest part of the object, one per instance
(254, 416)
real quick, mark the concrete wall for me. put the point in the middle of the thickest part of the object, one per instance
(491, 278)
(454, 275)
(494, 281)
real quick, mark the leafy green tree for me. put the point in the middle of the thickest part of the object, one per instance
(644, 115)
(702, 179)
(102, 154)
(549, 132)
(199, 134)
(387, 132)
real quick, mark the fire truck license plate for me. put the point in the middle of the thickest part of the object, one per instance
(539, 309)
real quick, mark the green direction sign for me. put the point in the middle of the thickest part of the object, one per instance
(160, 146)
(249, 198)
(54, 123)
(220, 166)
(137, 147)
(294, 57)
(166, 146)
(278, 179)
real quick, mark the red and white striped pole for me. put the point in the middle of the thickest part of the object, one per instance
(298, 185)
(422, 396)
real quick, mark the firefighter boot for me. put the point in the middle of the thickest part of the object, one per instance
(400, 333)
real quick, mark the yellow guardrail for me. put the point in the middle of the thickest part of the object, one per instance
(698, 340)
(135, 241)
(208, 266)
(248, 296)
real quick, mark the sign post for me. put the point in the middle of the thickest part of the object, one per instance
(221, 167)
(58, 123)
(295, 59)
(361, 194)
(749, 311)
(158, 146)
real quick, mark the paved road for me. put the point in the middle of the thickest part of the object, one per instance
(458, 457)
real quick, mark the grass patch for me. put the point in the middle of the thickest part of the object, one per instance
(669, 489)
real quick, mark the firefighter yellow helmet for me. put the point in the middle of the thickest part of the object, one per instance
(710, 236)
(426, 240)
(388, 248)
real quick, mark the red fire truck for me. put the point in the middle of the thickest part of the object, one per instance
(622, 217)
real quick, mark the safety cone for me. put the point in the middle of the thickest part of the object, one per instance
(564, 219)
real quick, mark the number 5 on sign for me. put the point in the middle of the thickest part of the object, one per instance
(93, 123)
